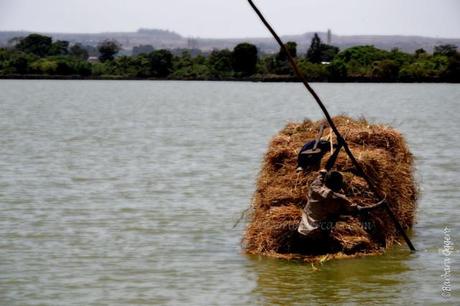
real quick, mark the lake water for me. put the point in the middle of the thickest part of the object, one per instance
(126, 193)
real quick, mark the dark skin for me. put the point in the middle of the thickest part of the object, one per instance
(337, 187)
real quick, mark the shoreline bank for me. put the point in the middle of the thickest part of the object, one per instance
(257, 78)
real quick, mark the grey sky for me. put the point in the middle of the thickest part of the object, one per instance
(234, 18)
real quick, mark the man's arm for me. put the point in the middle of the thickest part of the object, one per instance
(373, 206)
(352, 208)
(348, 207)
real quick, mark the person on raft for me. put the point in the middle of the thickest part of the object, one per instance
(325, 205)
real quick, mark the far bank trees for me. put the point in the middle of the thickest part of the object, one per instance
(38, 55)
(107, 50)
(245, 58)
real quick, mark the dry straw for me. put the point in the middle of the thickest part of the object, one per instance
(282, 192)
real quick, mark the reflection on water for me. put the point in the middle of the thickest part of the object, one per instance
(125, 193)
(336, 282)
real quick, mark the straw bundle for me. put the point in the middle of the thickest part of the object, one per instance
(282, 192)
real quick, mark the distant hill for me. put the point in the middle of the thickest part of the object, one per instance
(387, 42)
(172, 40)
(157, 38)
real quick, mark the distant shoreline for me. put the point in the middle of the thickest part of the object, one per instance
(38, 57)
(259, 78)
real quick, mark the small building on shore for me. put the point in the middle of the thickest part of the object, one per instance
(93, 59)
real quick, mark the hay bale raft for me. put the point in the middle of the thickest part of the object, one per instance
(281, 192)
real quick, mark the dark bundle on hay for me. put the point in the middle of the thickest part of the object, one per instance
(282, 192)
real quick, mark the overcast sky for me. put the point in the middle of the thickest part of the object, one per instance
(234, 18)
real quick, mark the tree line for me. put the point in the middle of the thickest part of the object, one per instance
(39, 55)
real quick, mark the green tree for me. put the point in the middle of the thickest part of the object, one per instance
(328, 53)
(61, 65)
(82, 67)
(280, 64)
(143, 66)
(314, 52)
(363, 55)
(399, 57)
(313, 72)
(64, 66)
(244, 59)
(191, 67)
(44, 66)
(447, 50)
(60, 47)
(107, 49)
(160, 63)
(337, 70)
(385, 70)
(319, 52)
(452, 72)
(220, 63)
(291, 46)
(36, 44)
(20, 62)
(101, 69)
(420, 53)
(127, 66)
(359, 60)
(425, 69)
(78, 51)
(266, 64)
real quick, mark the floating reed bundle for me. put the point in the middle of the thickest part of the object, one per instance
(282, 192)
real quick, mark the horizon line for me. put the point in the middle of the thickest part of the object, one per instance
(228, 38)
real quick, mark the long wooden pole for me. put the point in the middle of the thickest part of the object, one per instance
(340, 139)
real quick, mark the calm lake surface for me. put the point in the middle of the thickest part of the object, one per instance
(126, 193)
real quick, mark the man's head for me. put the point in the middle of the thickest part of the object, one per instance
(333, 180)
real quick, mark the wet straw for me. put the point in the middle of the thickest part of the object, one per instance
(340, 139)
